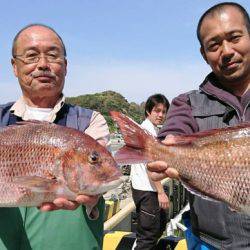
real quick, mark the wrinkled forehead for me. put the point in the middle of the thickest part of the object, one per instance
(38, 37)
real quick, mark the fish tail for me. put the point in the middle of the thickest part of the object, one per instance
(137, 141)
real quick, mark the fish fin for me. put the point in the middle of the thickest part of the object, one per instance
(208, 136)
(36, 183)
(226, 130)
(133, 134)
(128, 155)
(30, 122)
(182, 140)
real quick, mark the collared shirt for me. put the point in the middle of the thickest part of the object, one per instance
(139, 176)
(98, 128)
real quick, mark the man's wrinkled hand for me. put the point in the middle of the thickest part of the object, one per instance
(159, 170)
(62, 203)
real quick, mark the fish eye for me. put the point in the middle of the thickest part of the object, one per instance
(94, 157)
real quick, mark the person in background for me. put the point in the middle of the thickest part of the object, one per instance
(40, 65)
(149, 197)
(223, 99)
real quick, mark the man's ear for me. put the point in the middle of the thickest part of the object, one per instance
(203, 54)
(66, 64)
(14, 66)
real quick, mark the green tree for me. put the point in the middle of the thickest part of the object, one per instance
(107, 101)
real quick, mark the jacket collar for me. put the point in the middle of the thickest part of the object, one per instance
(19, 109)
(212, 87)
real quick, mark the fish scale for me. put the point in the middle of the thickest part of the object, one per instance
(40, 161)
(213, 164)
(212, 173)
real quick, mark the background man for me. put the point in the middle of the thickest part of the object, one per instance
(223, 99)
(39, 62)
(149, 197)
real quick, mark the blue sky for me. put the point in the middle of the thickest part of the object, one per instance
(134, 47)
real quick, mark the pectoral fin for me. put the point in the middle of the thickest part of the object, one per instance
(36, 183)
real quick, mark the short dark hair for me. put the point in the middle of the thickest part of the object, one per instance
(153, 100)
(32, 25)
(220, 7)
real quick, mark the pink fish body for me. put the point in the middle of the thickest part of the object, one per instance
(41, 161)
(214, 164)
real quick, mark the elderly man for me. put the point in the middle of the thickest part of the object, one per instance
(223, 99)
(39, 62)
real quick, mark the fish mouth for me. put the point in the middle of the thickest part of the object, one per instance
(103, 187)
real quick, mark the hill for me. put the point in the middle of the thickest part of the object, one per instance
(107, 101)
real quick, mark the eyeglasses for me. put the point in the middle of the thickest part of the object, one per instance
(53, 58)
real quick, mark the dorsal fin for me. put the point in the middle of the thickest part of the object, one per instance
(209, 136)
(30, 122)
(134, 136)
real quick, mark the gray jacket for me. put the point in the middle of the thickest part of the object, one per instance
(207, 108)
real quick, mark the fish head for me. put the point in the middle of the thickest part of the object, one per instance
(91, 170)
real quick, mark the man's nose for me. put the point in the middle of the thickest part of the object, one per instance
(43, 63)
(161, 114)
(227, 50)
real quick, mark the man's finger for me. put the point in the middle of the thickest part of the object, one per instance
(48, 206)
(162, 205)
(65, 204)
(87, 200)
(172, 173)
(167, 205)
(158, 176)
(157, 166)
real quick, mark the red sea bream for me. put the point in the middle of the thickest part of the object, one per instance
(41, 161)
(214, 164)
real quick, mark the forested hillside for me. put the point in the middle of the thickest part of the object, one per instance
(107, 101)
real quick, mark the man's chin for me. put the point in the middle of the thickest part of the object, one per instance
(45, 94)
(45, 89)
(233, 77)
(158, 123)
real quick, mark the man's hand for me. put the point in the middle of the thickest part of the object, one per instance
(62, 203)
(163, 200)
(159, 170)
